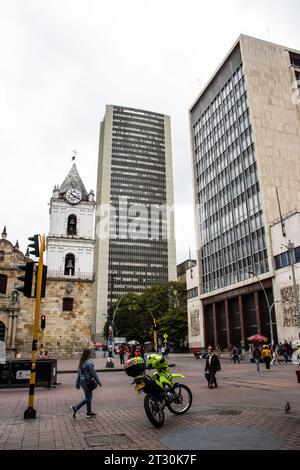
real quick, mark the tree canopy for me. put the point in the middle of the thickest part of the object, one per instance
(134, 314)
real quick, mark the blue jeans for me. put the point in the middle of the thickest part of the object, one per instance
(257, 361)
(236, 358)
(88, 396)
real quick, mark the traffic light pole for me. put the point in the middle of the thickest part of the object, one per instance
(42, 341)
(30, 412)
(155, 338)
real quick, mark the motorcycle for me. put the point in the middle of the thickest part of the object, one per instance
(159, 388)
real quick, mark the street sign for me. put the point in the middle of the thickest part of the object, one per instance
(23, 374)
(165, 336)
(120, 340)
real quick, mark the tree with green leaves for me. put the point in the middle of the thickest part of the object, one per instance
(134, 314)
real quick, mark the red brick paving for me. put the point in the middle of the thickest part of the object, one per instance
(260, 397)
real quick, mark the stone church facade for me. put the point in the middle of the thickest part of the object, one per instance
(16, 311)
(70, 279)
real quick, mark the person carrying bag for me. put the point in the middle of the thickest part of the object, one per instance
(88, 380)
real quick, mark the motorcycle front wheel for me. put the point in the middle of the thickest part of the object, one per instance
(153, 411)
(182, 399)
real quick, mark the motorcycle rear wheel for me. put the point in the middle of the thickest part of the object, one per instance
(155, 415)
(182, 400)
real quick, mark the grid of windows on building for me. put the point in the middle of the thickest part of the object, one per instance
(138, 254)
(283, 260)
(298, 80)
(231, 219)
(192, 293)
(295, 62)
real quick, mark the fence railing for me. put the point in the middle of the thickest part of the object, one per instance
(78, 275)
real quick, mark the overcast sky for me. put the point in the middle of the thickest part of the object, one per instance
(62, 61)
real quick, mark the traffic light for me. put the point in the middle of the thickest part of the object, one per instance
(44, 279)
(43, 322)
(26, 278)
(155, 326)
(35, 245)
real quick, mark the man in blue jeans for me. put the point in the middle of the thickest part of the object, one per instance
(256, 357)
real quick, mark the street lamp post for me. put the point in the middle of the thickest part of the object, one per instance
(268, 304)
(110, 362)
(154, 330)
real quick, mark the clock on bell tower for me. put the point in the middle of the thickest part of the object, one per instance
(70, 242)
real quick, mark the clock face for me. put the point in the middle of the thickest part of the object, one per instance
(73, 196)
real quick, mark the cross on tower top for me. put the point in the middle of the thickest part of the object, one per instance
(75, 154)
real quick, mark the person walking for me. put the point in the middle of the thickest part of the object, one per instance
(285, 356)
(88, 380)
(104, 350)
(266, 354)
(212, 366)
(235, 355)
(290, 350)
(274, 356)
(256, 357)
(122, 354)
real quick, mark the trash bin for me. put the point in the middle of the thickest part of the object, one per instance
(20, 372)
(46, 372)
(298, 375)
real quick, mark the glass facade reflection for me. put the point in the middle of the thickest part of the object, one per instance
(231, 219)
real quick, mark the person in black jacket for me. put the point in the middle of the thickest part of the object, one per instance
(212, 366)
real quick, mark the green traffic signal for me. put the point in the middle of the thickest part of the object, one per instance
(35, 245)
(26, 278)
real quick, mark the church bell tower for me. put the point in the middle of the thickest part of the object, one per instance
(70, 243)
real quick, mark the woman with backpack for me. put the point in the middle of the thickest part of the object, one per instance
(88, 380)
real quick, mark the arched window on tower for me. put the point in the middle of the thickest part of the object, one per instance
(72, 225)
(70, 265)
(3, 283)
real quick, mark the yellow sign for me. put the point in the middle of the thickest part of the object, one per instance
(165, 335)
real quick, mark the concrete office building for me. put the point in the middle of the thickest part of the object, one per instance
(245, 135)
(135, 244)
(183, 267)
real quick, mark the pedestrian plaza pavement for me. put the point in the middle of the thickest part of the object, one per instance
(246, 411)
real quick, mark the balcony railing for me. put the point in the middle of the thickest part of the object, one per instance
(77, 276)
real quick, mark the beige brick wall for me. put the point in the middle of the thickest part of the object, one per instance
(276, 123)
(66, 333)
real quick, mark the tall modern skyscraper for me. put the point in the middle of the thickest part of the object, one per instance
(245, 130)
(135, 244)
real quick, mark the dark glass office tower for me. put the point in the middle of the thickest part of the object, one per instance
(136, 248)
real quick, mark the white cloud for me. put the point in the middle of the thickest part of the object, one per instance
(62, 61)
